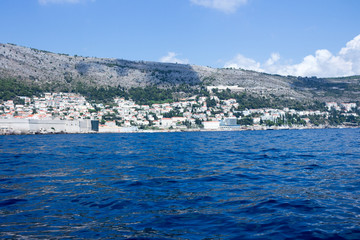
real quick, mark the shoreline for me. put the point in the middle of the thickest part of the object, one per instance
(253, 128)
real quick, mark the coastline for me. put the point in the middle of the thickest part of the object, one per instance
(252, 128)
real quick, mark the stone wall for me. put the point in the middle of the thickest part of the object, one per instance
(28, 126)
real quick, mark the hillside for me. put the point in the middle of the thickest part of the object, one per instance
(33, 66)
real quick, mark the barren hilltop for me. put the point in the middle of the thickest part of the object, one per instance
(33, 66)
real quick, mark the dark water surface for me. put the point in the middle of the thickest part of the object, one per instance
(291, 184)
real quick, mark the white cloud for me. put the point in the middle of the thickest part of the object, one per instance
(44, 2)
(322, 64)
(227, 6)
(171, 58)
(273, 59)
(351, 53)
(243, 62)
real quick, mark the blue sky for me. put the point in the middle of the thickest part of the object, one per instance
(289, 37)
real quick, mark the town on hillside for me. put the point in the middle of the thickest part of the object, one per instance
(72, 113)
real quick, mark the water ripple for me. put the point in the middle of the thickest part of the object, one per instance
(223, 185)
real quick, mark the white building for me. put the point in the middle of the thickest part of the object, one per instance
(348, 106)
(25, 126)
(211, 124)
(166, 122)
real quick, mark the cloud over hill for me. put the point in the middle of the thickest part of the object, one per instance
(321, 64)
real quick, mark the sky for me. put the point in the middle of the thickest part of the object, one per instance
(288, 37)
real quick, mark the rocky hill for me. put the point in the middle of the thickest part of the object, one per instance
(41, 67)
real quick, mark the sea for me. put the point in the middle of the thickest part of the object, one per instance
(280, 184)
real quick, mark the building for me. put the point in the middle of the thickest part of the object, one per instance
(28, 126)
(211, 124)
(231, 121)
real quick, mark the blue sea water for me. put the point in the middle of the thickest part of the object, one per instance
(288, 184)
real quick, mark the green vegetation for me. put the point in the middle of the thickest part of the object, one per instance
(11, 88)
(248, 101)
(334, 87)
(246, 121)
(150, 95)
(141, 95)
(99, 94)
(173, 113)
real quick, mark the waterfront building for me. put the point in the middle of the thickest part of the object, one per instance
(28, 126)
(211, 124)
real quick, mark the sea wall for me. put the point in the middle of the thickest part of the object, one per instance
(29, 126)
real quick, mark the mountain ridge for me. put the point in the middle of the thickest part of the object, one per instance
(41, 67)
